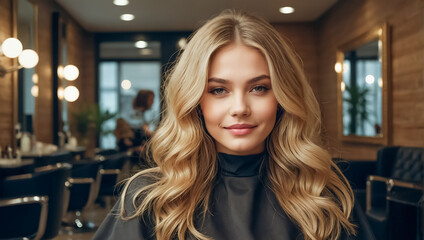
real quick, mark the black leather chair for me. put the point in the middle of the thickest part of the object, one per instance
(49, 181)
(84, 188)
(111, 172)
(31, 226)
(394, 192)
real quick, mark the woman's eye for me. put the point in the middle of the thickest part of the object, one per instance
(218, 91)
(260, 89)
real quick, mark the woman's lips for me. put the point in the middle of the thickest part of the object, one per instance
(240, 129)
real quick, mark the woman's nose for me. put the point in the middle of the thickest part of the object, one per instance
(239, 105)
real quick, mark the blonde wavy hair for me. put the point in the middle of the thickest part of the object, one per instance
(308, 185)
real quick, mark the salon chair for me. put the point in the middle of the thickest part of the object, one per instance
(84, 187)
(112, 173)
(32, 221)
(393, 194)
(50, 182)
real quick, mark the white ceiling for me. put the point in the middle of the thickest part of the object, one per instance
(175, 15)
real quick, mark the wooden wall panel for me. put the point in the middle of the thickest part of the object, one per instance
(6, 104)
(349, 19)
(303, 38)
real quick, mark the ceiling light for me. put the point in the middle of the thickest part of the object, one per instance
(141, 44)
(127, 17)
(126, 84)
(286, 10)
(121, 2)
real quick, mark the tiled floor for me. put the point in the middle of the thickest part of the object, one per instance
(95, 214)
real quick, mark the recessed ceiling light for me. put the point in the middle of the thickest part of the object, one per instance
(127, 17)
(121, 2)
(286, 10)
(141, 44)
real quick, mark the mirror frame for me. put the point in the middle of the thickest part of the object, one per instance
(15, 87)
(382, 33)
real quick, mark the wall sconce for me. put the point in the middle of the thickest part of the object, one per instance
(12, 48)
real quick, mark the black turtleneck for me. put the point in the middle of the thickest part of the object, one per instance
(240, 166)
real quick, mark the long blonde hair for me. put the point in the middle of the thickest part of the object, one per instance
(308, 185)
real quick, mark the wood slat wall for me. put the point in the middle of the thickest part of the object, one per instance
(6, 104)
(349, 19)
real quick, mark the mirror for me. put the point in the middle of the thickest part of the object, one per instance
(362, 70)
(26, 84)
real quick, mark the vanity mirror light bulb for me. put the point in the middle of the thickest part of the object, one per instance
(342, 86)
(11, 47)
(70, 72)
(338, 67)
(71, 93)
(35, 78)
(28, 58)
(34, 91)
(60, 93)
(60, 71)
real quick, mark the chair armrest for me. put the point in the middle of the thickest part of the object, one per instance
(42, 200)
(370, 180)
(390, 185)
(110, 171)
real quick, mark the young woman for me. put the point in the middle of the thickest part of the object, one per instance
(238, 150)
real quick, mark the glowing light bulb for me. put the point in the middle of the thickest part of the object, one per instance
(127, 17)
(70, 72)
(286, 10)
(126, 84)
(60, 93)
(369, 79)
(121, 2)
(71, 93)
(28, 58)
(35, 78)
(34, 91)
(342, 86)
(11, 47)
(141, 44)
(338, 67)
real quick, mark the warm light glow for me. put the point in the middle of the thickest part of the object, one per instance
(127, 17)
(28, 58)
(338, 67)
(35, 78)
(141, 44)
(34, 91)
(60, 71)
(70, 72)
(380, 32)
(121, 2)
(60, 93)
(182, 43)
(370, 79)
(71, 93)
(380, 82)
(126, 84)
(146, 51)
(11, 47)
(342, 86)
(286, 10)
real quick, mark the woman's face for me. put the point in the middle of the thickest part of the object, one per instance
(238, 105)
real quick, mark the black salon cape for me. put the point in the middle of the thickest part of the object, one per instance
(242, 208)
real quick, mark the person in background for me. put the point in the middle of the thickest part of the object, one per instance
(238, 151)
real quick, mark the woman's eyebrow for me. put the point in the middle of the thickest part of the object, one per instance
(224, 81)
